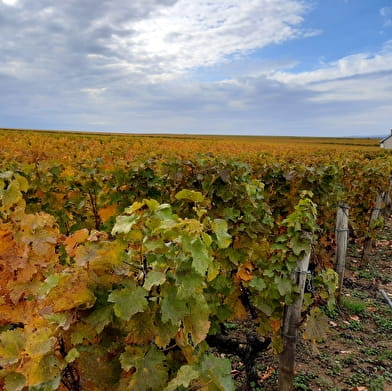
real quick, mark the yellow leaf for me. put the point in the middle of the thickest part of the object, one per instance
(39, 341)
(71, 292)
(71, 242)
(107, 212)
(6, 243)
(240, 312)
(245, 271)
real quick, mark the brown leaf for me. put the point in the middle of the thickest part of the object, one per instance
(71, 242)
(245, 271)
(267, 374)
(275, 324)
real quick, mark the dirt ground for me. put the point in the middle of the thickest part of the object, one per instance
(356, 355)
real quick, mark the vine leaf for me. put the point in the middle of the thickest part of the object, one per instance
(107, 212)
(124, 224)
(39, 341)
(184, 377)
(201, 259)
(72, 241)
(258, 284)
(11, 343)
(284, 285)
(217, 371)
(128, 301)
(316, 325)
(150, 368)
(219, 226)
(12, 194)
(245, 271)
(14, 381)
(154, 278)
(197, 322)
(100, 318)
(190, 195)
(173, 309)
(44, 370)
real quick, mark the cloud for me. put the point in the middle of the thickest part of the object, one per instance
(95, 92)
(353, 65)
(386, 14)
(137, 66)
(358, 77)
(202, 33)
(154, 39)
(9, 2)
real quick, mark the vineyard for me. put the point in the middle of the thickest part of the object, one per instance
(124, 260)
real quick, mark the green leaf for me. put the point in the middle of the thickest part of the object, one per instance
(201, 259)
(22, 181)
(173, 309)
(219, 227)
(261, 305)
(60, 319)
(151, 370)
(190, 195)
(12, 195)
(134, 207)
(72, 355)
(39, 342)
(49, 283)
(128, 301)
(124, 224)
(188, 282)
(100, 318)
(284, 285)
(14, 381)
(258, 284)
(11, 343)
(206, 239)
(154, 279)
(82, 332)
(184, 377)
(299, 246)
(217, 372)
(153, 205)
(197, 322)
(164, 212)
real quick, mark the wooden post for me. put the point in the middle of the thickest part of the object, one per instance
(341, 236)
(387, 203)
(386, 297)
(368, 244)
(387, 200)
(291, 320)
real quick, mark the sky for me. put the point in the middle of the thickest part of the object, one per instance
(248, 67)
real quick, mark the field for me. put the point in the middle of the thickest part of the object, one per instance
(162, 262)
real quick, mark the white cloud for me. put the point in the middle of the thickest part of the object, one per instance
(363, 77)
(191, 34)
(9, 2)
(386, 14)
(353, 65)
